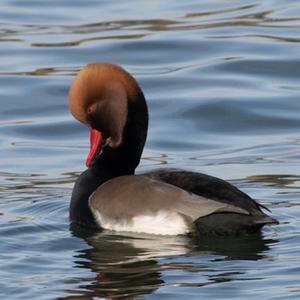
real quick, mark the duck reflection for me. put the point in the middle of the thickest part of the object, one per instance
(248, 247)
(132, 265)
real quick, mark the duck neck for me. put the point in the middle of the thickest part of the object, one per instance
(112, 162)
(124, 159)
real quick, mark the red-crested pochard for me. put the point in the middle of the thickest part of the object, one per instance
(108, 195)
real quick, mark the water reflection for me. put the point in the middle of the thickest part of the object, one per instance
(128, 265)
(250, 247)
(277, 180)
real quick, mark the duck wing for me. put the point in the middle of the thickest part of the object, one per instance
(123, 199)
(207, 186)
(222, 192)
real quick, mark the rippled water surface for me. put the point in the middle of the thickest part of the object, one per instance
(222, 80)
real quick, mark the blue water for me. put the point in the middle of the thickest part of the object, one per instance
(222, 81)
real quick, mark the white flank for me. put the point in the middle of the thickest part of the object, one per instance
(163, 223)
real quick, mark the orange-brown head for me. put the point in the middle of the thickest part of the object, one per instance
(99, 98)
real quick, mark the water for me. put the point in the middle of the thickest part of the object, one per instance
(222, 83)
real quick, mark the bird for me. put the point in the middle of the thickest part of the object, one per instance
(109, 195)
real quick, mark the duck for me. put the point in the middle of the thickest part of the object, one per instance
(109, 195)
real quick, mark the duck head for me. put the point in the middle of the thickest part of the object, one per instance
(110, 102)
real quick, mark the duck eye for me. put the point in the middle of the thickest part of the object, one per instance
(90, 110)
